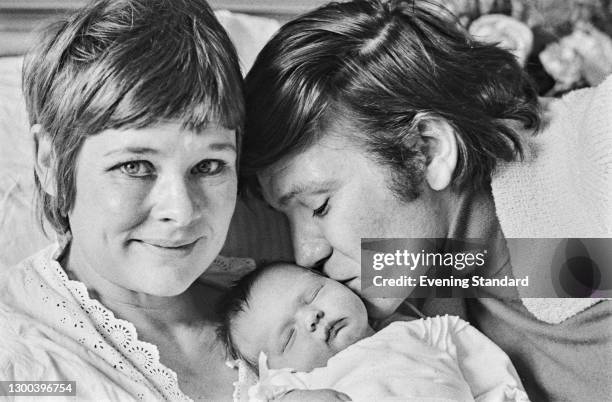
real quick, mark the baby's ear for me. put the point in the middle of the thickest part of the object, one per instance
(441, 148)
(44, 160)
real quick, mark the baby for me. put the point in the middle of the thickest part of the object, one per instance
(308, 335)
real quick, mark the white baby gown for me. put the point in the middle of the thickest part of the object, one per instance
(433, 359)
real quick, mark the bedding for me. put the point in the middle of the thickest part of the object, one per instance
(256, 230)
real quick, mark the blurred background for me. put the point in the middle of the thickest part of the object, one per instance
(563, 44)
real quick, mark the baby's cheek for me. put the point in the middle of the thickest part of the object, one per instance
(321, 358)
(273, 362)
(305, 357)
(280, 362)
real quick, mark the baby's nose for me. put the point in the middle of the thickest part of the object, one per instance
(313, 318)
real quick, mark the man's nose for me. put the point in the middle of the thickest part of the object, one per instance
(309, 245)
(176, 200)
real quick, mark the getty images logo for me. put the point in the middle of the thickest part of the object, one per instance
(581, 268)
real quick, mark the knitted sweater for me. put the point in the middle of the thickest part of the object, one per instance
(561, 347)
(563, 188)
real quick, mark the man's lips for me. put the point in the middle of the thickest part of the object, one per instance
(345, 282)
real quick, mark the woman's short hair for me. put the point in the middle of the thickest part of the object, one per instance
(385, 64)
(123, 64)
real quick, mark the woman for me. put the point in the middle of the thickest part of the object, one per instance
(136, 107)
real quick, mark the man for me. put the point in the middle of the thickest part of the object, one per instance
(383, 119)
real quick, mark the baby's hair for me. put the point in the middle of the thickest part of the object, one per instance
(127, 64)
(235, 301)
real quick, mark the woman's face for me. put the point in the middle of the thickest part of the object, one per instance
(152, 205)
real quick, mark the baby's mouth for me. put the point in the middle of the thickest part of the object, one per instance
(333, 328)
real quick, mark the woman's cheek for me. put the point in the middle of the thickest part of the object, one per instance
(126, 202)
(222, 194)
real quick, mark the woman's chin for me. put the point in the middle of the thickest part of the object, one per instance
(164, 280)
(159, 275)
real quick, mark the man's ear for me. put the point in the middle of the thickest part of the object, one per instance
(44, 160)
(442, 153)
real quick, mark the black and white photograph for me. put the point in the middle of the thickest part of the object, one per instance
(306, 200)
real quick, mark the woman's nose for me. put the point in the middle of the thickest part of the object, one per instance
(175, 201)
(309, 245)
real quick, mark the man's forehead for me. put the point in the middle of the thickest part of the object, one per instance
(272, 178)
(311, 172)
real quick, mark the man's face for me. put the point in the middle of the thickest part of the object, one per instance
(334, 194)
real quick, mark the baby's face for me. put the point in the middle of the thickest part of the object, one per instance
(299, 319)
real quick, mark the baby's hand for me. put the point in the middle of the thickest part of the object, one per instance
(312, 395)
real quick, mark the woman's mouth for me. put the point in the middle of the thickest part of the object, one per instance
(169, 246)
(169, 243)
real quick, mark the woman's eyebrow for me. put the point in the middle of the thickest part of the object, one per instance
(133, 150)
(216, 146)
(222, 146)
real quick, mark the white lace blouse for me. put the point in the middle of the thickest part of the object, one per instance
(51, 330)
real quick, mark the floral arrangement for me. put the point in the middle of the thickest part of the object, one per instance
(563, 44)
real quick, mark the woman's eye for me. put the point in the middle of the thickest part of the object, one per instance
(322, 210)
(136, 168)
(210, 167)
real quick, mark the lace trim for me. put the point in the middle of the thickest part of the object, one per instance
(234, 265)
(246, 380)
(137, 356)
(137, 359)
(514, 394)
(273, 383)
